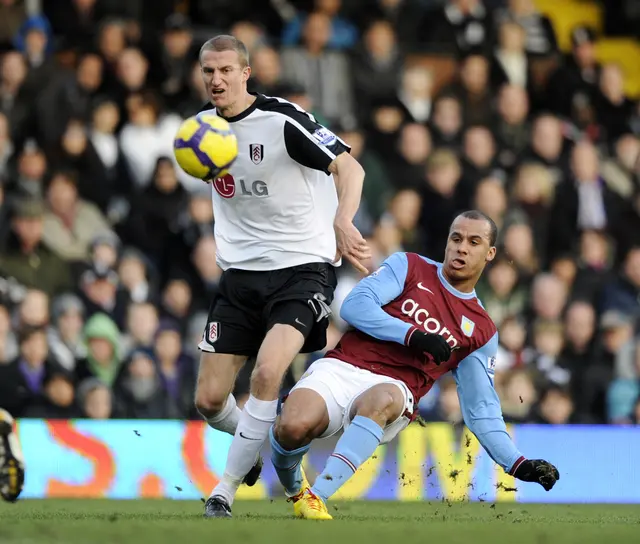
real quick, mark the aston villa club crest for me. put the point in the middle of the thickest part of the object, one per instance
(467, 326)
(257, 153)
(213, 332)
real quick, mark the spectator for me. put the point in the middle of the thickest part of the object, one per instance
(266, 73)
(71, 223)
(622, 293)
(555, 407)
(171, 67)
(103, 359)
(473, 90)
(414, 147)
(12, 14)
(614, 109)
(343, 33)
(415, 92)
(442, 198)
(139, 390)
(146, 138)
(177, 369)
(69, 96)
(156, 210)
(540, 37)
(578, 77)
(65, 333)
(323, 73)
(26, 259)
(376, 66)
(99, 293)
(491, 198)
(141, 326)
(512, 128)
(500, 291)
(447, 121)
(95, 399)
(378, 189)
(460, 26)
(519, 396)
(28, 385)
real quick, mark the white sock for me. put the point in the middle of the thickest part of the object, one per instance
(227, 419)
(253, 428)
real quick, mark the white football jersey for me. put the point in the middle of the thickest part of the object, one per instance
(276, 206)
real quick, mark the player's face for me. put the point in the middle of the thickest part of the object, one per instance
(468, 249)
(225, 78)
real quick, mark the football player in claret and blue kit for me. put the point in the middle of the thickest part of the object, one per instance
(413, 320)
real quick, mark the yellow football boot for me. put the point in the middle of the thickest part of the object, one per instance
(310, 506)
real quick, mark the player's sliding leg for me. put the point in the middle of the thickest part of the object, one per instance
(304, 417)
(281, 344)
(380, 407)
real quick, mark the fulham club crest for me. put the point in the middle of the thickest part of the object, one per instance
(257, 153)
(213, 332)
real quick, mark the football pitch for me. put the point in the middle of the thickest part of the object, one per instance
(171, 522)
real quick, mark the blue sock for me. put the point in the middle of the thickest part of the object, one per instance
(288, 465)
(355, 446)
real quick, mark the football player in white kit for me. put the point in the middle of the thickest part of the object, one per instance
(283, 220)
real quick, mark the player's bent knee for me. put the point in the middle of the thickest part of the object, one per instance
(380, 406)
(294, 433)
(209, 403)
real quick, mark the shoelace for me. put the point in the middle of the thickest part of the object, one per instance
(315, 503)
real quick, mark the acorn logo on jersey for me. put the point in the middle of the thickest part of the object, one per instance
(430, 324)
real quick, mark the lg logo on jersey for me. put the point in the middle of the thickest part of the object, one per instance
(226, 187)
(430, 324)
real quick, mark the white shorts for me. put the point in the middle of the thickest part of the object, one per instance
(340, 384)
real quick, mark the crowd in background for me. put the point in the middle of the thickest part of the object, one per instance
(107, 255)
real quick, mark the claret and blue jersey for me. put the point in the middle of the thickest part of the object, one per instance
(408, 293)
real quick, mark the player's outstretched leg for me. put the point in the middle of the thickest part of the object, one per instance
(304, 417)
(372, 411)
(281, 344)
(11, 462)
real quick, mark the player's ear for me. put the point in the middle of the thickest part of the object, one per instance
(246, 74)
(491, 254)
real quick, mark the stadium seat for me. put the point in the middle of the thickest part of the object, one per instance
(565, 15)
(626, 53)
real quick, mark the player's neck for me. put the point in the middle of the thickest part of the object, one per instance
(238, 107)
(465, 286)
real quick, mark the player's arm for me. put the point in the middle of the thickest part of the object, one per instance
(482, 414)
(315, 146)
(362, 308)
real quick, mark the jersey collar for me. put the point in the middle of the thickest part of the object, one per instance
(259, 99)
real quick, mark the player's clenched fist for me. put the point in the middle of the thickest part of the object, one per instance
(537, 470)
(433, 344)
(351, 245)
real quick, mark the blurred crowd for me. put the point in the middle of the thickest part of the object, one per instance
(107, 255)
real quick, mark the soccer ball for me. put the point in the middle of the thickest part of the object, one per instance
(205, 146)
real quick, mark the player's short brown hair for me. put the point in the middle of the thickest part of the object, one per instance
(226, 42)
(481, 216)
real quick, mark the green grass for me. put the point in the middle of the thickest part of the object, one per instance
(180, 522)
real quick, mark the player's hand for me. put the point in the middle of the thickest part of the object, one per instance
(539, 471)
(433, 344)
(351, 245)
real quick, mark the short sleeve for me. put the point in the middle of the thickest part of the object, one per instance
(309, 143)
